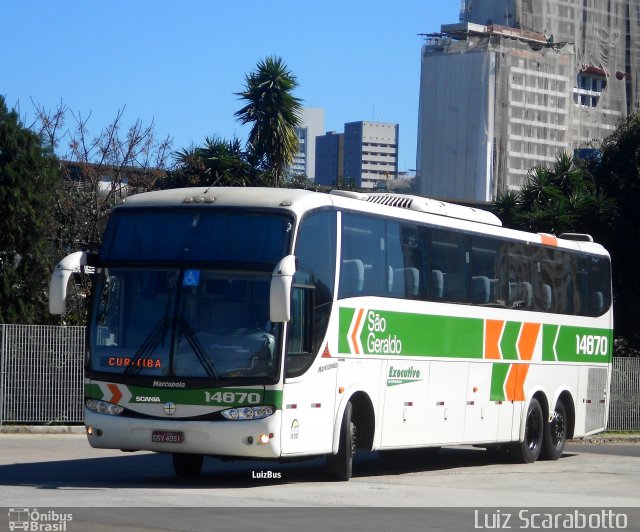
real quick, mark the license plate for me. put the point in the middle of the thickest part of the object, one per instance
(167, 436)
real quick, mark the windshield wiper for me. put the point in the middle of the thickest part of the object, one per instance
(150, 343)
(200, 352)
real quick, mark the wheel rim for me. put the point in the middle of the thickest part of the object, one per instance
(534, 430)
(558, 429)
(352, 443)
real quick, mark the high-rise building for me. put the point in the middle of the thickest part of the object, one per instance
(517, 83)
(370, 152)
(329, 158)
(311, 126)
(367, 153)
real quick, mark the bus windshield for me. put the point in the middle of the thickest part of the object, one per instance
(185, 323)
(185, 294)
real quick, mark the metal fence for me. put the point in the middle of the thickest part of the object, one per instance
(41, 378)
(624, 407)
(41, 374)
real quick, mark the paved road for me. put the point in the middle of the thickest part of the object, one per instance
(59, 471)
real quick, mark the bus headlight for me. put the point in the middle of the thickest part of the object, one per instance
(248, 412)
(102, 407)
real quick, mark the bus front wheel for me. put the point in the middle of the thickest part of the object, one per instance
(528, 450)
(340, 466)
(187, 465)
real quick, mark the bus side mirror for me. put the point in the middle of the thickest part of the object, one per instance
(73, 263)
(280, 292)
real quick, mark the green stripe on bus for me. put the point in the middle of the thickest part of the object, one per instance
(228, 397)
(92, 391)
(584, 344)
(394, 333)
(548, 338)
(498, 376)
(510, 339)
(401, 333)
(345, 319)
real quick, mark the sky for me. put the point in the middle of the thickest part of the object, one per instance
(179, 64)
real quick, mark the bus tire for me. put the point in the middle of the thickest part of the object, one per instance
(528, 450)
(555, 433)
(340, 466)
(187, 465)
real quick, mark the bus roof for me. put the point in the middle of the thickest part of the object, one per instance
(432, 206)
(259, 197)
(298, 201)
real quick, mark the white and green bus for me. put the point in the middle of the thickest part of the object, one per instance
(280, 324)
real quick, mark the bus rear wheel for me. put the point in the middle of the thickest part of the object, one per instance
(528, 450)
(187, 465)
(340, 466)
(555, 433)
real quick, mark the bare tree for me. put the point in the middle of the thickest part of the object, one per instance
(99, 170)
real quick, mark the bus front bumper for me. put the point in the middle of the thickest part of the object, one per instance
(257, 438)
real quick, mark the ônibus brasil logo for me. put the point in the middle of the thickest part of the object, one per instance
(38, 520)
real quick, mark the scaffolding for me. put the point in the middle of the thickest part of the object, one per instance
(517, 83)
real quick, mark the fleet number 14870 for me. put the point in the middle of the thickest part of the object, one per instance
(588, 344)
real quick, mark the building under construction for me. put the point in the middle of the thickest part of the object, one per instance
(518, 82)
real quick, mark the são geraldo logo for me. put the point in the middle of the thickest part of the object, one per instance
(38, 521)
(369, 333)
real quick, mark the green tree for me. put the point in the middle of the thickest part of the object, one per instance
(617, 173)
(300, 181)
(274, 113)
(561, 199)
(345, 183)
(218, 162)
(29, 187)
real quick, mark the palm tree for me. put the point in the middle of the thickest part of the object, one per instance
(556, 199)
(218, 162)
(274, 113)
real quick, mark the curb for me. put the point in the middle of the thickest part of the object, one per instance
(607, 438)
(42, 429)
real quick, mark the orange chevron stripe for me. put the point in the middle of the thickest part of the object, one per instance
(116, 394)
(354, 333)
(493, 330)
(527, 341)
(515, 382)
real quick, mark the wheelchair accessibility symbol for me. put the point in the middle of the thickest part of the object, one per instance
(191, 278)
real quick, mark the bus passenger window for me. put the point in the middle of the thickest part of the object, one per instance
(448, 256)
(404, 258)
(363, 241)
(556, 272)
(582, 294)
(600, 284)
(520, 261)
(487, 263)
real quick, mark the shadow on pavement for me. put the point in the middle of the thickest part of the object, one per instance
(156, 470)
